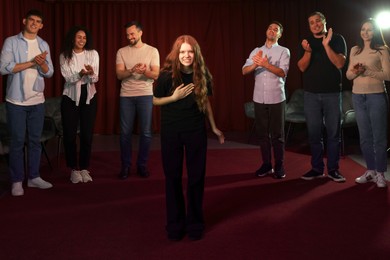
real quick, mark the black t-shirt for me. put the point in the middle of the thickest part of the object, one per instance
(184, 114)
(322, 76)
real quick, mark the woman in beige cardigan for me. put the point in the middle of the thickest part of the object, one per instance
(369, 67)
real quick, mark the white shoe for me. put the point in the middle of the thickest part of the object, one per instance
(39, 183)
(85, 175)
(75, 176)
(17, 189)
(368, 176)
(380, 180)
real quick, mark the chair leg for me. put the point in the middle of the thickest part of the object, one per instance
(342, 144)
(46, 155)
(59, 150)
(253, 128)
(25, 152)
(290, 128)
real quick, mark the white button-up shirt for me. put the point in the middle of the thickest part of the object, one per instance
(269, 88)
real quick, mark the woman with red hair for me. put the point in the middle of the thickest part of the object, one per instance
(182, 91)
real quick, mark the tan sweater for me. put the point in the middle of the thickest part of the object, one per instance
(377, 66)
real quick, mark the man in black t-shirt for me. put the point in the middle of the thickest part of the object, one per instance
(323, 55)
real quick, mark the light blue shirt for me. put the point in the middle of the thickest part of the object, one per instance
(269, 88)
(15, 51)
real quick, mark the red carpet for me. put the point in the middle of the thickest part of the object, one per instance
(246, 217)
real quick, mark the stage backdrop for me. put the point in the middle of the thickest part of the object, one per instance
(226, 30)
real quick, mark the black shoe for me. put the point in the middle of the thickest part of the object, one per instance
(312, 174)
(124, 174)
(265, 169)
(279, 173)
(336, 176)
(195, 235)
(143, 172)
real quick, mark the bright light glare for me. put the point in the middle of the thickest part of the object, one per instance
(383, 19)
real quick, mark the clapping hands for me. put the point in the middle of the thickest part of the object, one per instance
(88, 70)
(327, 37)
(306, 46)
(358, 69)
(139, 68)
(259, 60)
(40, 59)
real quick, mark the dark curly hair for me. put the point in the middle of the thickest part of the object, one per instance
(68, 44)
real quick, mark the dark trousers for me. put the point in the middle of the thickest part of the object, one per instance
(73, 116)
(270, 128)
(173, 148)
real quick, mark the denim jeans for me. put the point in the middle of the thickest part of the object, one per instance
(20, 119)
(141, 106)
(323, 109)
(371, 117)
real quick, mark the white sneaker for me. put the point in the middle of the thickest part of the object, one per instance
(380, 180)
(75, 176)
(368, 176)
(17, 189)
(39, 183)
(85, 175)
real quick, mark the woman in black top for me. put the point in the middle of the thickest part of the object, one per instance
(182, 90)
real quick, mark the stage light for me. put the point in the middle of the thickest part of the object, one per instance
(383, 19)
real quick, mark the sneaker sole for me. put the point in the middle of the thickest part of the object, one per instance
(279, 177)
(312, 178)
(16, 194)
(357, 180)
(336, 180)
(39, 187)
(362, 182)
(265, 174)
(381, 185)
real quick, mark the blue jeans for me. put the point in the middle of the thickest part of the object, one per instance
(20, 119)
(323, 109)
(142, 106)
(371, 117)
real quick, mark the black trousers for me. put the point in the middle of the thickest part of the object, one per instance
(72, 117)
(270, 128)
(173, 148)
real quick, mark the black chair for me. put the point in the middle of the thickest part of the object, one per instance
(4, 134)
(348, 118)
(48, 133)
(294, 113)
(53, 111)
(249, 108)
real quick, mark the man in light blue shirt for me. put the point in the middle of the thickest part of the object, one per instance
(270, 64)
(25, 58)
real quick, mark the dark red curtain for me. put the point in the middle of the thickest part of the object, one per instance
(226, 30)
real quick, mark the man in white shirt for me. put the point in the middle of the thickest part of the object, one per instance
(26, 69)
(270, 64)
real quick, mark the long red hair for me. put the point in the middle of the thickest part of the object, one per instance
(201, 73)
